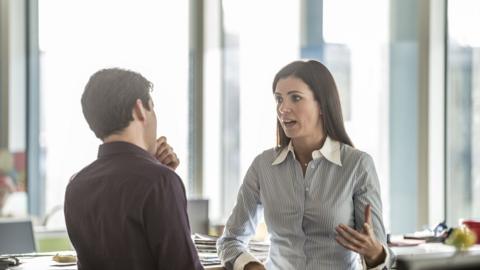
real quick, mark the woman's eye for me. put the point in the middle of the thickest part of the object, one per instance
(296, 98)
(278, 99)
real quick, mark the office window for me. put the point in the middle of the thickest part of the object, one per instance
(463, 112)
(77, 38)
(240, 112)
(13, 186)
(239, 118)
(358, 59)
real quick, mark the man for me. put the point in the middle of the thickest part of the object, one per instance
(127, 209)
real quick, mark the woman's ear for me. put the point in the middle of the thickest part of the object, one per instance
(139, 111)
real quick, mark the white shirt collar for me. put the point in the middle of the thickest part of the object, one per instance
(330, 150)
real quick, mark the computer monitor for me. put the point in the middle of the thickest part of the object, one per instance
(440, 261)
(16, 236)
(197, 210)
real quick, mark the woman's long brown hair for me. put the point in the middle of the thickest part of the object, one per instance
(321, 82)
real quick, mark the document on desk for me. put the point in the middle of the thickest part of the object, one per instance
(207, 250)
(71, 267)
(57, 265)
(401, 242)
(42, 263)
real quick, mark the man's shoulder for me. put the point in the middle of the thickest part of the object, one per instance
(158, 172)
(137, 169)
(143, 169)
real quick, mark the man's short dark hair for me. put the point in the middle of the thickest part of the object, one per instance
(109, 98)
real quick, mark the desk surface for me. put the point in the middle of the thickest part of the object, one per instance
(428, 248)
(46, 262)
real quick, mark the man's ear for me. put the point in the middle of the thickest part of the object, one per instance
(139, 111)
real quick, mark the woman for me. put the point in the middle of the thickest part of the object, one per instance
(320, 196)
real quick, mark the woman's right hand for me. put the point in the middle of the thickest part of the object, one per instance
(254, 266)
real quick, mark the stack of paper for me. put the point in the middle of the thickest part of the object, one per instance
(207, 251)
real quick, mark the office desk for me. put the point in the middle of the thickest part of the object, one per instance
(429, 248)
(436, 256)
(46, 263)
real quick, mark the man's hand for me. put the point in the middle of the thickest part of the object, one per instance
(364, 242)
(165, 155)
(254, 266)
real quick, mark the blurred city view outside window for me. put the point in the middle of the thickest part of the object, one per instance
(77, 38)
(13, 110)
(239, 109)
(463, 112)
(357, 53)
(257, 43)
(13, 202)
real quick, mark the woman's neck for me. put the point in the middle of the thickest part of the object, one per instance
(304, 147)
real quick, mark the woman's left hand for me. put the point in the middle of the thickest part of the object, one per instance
(363, 242)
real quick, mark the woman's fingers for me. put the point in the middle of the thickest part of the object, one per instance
(346, 244)
(351, 236)
(351, 233)
(368, 214)
(363, 241)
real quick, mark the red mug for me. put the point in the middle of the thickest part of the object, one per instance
(474, 226)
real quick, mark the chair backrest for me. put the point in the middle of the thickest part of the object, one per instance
(16, 236)
(197, 210)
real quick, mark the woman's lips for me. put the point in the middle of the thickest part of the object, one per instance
(289, 123)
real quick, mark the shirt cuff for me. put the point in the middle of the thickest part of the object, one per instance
(243, 260)
(381, 266)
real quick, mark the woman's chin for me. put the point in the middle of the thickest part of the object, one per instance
(291, 135)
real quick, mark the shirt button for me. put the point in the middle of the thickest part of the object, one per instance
(307, 189)
(312, 166)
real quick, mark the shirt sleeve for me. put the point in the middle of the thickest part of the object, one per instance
(242, 222)
(383, 265)
(243, 260)
(167, 226)
(367, 191)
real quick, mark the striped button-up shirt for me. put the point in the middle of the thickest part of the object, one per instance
(301, 212)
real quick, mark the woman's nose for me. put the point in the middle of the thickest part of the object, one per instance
(284, 108)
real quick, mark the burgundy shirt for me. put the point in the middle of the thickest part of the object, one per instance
(128, 211)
